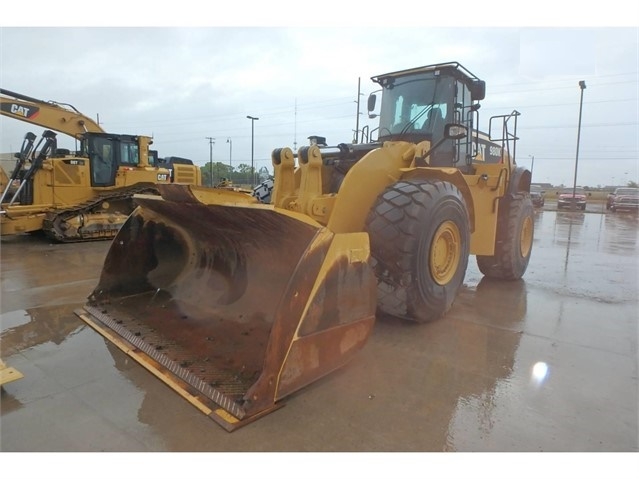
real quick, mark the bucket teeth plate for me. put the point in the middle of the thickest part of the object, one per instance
(223, 388)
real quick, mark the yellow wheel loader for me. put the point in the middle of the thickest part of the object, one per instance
(237, 304)
(81, 196)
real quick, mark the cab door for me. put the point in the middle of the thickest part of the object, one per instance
(103, 161)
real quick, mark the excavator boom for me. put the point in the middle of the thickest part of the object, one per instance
(60, 117)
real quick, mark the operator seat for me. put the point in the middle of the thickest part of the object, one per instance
(435, 122)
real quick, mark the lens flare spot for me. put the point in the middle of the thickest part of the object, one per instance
(540, 372)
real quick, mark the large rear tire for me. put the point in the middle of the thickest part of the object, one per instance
(515, 231)
(420, 241)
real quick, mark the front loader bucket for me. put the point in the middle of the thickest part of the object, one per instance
(234, 305)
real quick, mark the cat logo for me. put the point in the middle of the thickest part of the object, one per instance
(163, 177)
(23, 111)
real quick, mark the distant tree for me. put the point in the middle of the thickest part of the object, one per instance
(633, 184)
(243, 168)
(220, 170)
(244, 173)
(206, 174)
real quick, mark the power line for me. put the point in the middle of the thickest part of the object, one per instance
(567, 87)
(592, 125)
(347, 101)
(546, 105)
(572, 158)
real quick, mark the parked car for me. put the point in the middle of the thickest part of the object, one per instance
(624, 199)
(570, 196)
(619, 191)
(537, 197)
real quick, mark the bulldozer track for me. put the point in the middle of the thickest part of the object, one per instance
(52, 224)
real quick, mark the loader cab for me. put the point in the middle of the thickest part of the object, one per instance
(416, 105)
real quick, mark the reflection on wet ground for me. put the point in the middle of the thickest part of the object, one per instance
(547, 363)
(574, 380)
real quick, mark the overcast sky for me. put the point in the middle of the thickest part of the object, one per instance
(185, 83)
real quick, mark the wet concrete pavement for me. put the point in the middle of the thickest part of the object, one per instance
(548, 363)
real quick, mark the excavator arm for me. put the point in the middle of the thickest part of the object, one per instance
(60, 117)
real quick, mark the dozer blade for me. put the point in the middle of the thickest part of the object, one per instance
(234, 305)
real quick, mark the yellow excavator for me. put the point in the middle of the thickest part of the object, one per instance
(237, 304)
(84, 195)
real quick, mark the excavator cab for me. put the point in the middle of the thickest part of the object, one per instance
(108, 152)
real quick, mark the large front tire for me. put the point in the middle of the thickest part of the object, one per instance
(515, 231)
(420, 241)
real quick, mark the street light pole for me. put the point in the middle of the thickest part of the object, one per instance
(230, 142)
(252, 118)
(211, 143)
(582, 86)
(532, 166)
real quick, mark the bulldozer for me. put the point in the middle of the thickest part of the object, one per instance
(237, 304)
(83, 195)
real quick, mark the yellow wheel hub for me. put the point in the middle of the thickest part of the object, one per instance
(445, 253)
(526, 237)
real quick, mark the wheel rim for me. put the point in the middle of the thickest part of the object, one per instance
(445, 252)
(525, 241)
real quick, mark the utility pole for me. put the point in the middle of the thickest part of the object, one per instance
(356, 139)
(211, 143)
(230, 142)
(582, 86)
(532, 166)
(252, 118)
(295, 129)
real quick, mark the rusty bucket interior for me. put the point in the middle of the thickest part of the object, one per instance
(235, 304)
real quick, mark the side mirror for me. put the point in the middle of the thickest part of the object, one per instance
(372, 100)
(477, 90)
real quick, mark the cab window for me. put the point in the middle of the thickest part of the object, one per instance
(129, 154)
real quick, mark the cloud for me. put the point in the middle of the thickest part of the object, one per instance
(182, 85)
(552, 53)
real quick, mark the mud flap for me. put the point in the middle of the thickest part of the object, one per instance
(233, 305)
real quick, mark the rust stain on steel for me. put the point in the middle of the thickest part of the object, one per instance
(314, 356)
(220, 291)
(204, 285)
